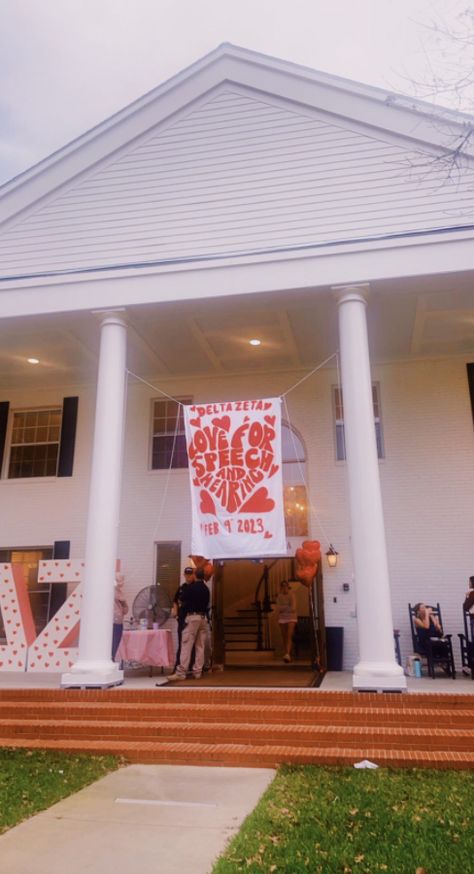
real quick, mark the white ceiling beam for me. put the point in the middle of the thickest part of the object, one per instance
(204, 345)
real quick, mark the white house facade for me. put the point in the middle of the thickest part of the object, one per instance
(246, 198)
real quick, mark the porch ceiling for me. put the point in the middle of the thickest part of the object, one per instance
(424, 317)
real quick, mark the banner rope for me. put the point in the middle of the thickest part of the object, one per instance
(154, 387)
(304, 378)
(282, 396)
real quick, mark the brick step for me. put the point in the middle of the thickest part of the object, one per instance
(187, 708)
(255, 755)
(248, 733)
(316, 698)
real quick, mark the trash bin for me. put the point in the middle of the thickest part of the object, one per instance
(334, 647)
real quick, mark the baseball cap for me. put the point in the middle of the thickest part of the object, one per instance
(188, 570)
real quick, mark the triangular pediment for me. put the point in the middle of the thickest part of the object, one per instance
(231, 169)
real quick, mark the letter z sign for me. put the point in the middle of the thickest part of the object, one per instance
(51, 650)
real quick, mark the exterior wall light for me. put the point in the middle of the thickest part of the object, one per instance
(331, 556)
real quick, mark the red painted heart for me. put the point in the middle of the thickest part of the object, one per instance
(223, 422)
(207, 504)
(259, 502)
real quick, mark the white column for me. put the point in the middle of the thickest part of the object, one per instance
(377, 667)
(95, 666)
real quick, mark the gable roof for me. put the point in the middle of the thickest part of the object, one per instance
(239, 154)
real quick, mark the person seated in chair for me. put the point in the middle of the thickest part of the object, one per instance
(427, 625)
(468, 604)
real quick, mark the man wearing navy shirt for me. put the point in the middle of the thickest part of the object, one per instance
(195, 604)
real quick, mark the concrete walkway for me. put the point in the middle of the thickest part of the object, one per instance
(143, 819)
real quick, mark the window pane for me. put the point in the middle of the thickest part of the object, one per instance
(39, 594)
(296, 511)
(168, 442)
(35, 443)
(339, 422)
(340, 442)
(378, 437)
(291, 445)
(28, 461)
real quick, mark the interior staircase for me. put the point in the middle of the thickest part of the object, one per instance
(245, 727)
(241, 639)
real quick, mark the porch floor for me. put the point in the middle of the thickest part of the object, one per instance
(289, 676)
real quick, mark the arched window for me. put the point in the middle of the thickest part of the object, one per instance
(294, 476)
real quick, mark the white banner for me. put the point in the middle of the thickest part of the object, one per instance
(234, 451)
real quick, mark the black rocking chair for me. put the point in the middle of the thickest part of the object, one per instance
(467, 643)
(438, 651)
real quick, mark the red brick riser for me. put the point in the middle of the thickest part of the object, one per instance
(247, 727)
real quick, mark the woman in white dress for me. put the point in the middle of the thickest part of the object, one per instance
(287, 617)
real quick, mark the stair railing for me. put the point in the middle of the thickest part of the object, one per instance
(263, 606)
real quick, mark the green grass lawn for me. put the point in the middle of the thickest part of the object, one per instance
(31, 781)
(325, 820)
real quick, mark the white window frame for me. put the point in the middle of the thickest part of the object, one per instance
(338, 420)
(56, 408)
(184, 400)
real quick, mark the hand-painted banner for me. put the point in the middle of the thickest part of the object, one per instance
(234, 451)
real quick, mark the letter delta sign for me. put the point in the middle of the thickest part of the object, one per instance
(234, 451)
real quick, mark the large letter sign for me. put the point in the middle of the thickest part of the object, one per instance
(234, 451)
(17, 618)
(53, 649)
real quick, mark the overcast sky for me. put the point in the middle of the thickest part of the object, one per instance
(66, 65)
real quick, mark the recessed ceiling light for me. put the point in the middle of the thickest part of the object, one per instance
(255, 342)
(33, 360)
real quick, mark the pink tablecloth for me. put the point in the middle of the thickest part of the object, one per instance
(147, 647)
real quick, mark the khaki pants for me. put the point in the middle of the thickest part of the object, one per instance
(195, 632)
